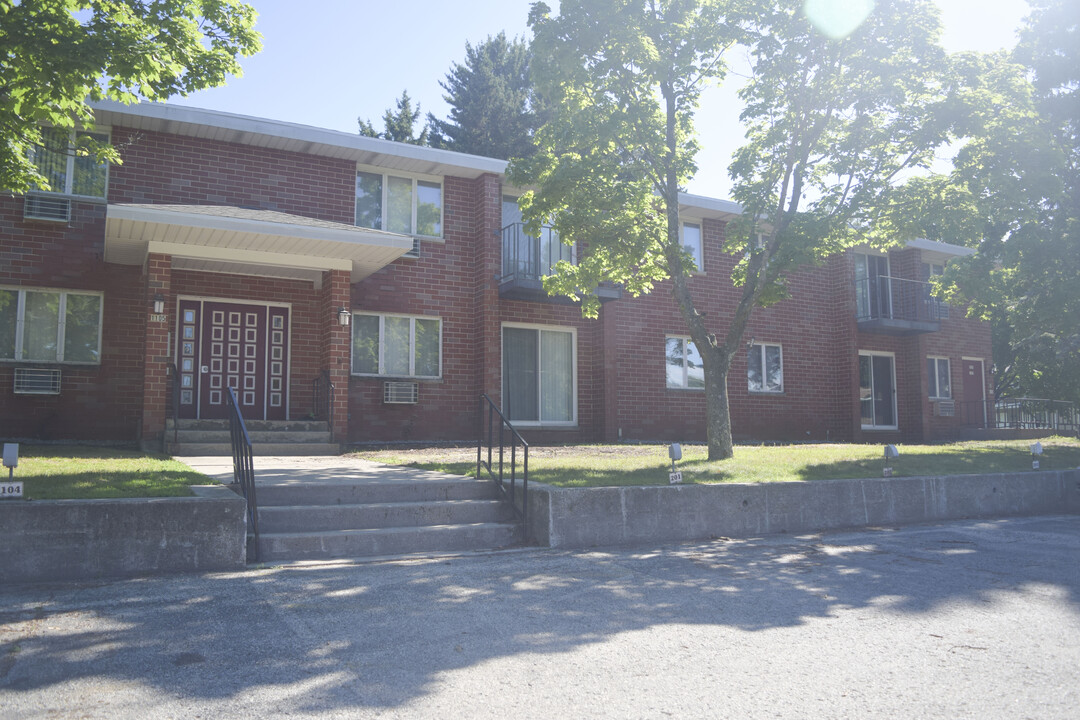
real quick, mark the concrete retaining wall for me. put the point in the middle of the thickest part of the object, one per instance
(50, 540)
(584, 517)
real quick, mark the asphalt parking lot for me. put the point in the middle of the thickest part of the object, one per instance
(965, 619)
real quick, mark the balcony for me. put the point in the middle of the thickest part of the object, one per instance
(527, 260)
(897, 306)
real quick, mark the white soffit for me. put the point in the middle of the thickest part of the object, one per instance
(943, 250)
(246, 241)
(700, 206)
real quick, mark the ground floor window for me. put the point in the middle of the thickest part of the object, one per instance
(765, 369)
(396, 345)
(937, 374)
(50, 326)
(877, 390)
(539, 375)
(685, 368)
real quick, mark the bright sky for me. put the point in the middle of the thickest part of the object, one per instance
(326, 62)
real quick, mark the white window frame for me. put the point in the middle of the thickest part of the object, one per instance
(932, 389)
(895, 393)
(69, 171)
(573, 422)
(699, 260)
(415, 178)
(20, 324)
(685, 366)
(764, 389)
(382, 346)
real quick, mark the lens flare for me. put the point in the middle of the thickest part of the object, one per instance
(837, 18)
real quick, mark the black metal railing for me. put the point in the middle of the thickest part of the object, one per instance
(507, 435)
(532, 258)
(174, 411)
(893, 298)
(322, 397)
(1021, 414)
(244, 471)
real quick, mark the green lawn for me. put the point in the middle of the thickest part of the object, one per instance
(607, 465)
(51, 472)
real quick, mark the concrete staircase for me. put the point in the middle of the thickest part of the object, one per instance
(268, 437)
(314, 521)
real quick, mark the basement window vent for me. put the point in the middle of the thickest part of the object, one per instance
(44, 207)
(401, 393)
(945, 408)
(37, 381)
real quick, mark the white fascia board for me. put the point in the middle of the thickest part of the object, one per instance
(242, 225)
(708, 207)
(940, 247)
(305, 136)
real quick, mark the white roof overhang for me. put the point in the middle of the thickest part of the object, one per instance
(248, 242)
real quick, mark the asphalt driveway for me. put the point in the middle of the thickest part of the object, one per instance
(969, 619)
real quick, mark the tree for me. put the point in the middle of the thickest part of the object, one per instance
(399, 123)
(832, 123)
(56, 55)
(1014, 194)
(494, 109)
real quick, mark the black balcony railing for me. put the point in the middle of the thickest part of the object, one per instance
(897, 306)
(525, 257)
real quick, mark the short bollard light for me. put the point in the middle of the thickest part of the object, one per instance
(11, 489)
(674, 452)
(1036, 453)
(891, 454)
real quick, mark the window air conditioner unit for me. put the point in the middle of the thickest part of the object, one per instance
(945, 408)
(44, 207)
(401, 393)
(415, 252)
(37, 381)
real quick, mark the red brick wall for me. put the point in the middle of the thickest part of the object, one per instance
(102, 402)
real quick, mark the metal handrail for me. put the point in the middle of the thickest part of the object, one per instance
(523, 255)
(514, 441)
(322, 398)
(896, 298)
(244, 471)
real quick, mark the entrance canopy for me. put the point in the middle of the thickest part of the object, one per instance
(222, 238)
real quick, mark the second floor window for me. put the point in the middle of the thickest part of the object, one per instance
(691, 240)
(69, 173)
(400, 204)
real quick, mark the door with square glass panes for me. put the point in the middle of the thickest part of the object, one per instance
(224, 344)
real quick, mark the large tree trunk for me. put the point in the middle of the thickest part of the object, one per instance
(717, 408)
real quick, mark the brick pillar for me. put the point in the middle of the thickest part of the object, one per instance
(156, 351)
(488, 266)
(609, 368)
(337, 339)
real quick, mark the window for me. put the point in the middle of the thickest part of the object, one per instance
(396, 345)
(67, 172)
(685, 368)
(406, 205)
(877, 391)
(765, 369)
(691, 239)
(538, 375)
(937, 375)
(50, 326)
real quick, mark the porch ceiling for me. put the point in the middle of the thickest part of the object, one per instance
(219, 238)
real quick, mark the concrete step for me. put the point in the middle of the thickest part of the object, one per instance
(384, 541)
(185, 437)
(273, 425)
(318, 518)
(303, 493)
(265, 449)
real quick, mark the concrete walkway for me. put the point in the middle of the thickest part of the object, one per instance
(301, 469)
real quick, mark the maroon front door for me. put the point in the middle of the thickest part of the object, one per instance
(229, 344)
(975, 410)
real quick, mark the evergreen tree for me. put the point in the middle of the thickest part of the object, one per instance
(494, 109)
(399, 123)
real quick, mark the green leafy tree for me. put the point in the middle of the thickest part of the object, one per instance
(623, 79)
(399, 123)
(494, 109)
(55, 55)
(1014, 195)
(836, 114)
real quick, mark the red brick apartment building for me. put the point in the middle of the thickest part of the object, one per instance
(229, 251)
